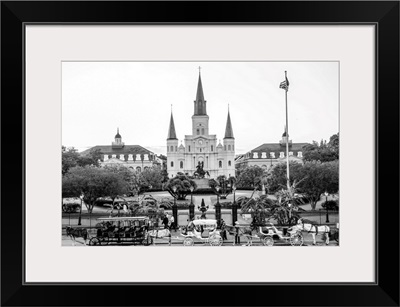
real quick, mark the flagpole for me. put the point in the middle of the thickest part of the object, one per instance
(287, 138)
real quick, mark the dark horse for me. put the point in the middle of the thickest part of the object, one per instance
(242, 231)
(73, 233)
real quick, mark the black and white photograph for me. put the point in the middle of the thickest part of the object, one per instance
(207, 153)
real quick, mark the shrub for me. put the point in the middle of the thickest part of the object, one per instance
(331, 205)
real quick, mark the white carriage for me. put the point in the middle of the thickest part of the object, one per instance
(270, 234)
(202, 230)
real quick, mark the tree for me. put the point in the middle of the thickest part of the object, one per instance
(92, 183)
(319, 177)
(224, 184)
(182, 184)
(249, 177)
(71, 158)
(91, 158)
(117, 182)
(259, 208)
(313, 178)
(323, 151)
(154, 176)
(276, 177)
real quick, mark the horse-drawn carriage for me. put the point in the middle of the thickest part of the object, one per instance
(202, 230)
(270, 234)
(122, 230)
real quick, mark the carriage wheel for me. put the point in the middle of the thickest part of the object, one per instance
(296, 239)
(268, 241)
(188, 242)
(94, 241)
(148, 241)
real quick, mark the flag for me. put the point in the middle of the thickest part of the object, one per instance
(285, 84)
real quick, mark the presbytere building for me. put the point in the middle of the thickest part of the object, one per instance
(269, 154)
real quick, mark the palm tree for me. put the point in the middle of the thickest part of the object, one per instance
(259, 208)
(287, 205)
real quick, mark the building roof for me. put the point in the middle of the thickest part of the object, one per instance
(277, 147)
(171, 130)
(127, 149)
(200, 103)
(228, 129)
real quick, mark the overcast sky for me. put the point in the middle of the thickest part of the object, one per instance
(98, 97)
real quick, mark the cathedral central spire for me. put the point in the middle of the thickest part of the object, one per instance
(200, 103)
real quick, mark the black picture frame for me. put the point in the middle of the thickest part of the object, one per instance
(383, 14)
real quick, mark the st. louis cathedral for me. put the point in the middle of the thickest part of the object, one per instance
(201, 149)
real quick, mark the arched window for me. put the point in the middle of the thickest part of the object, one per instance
(225, 147)
(181, 164)
(176, 148)
(233, 147)
(139, 169)
(202, 131)
(220, 164)
(146, 167)
(189, 148)
(198, 131)
(172, 163)
(212, 148)
(229, 163)
(172, 148)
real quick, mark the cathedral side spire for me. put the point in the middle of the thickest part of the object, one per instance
(228, 129)
(171, 130)
(200, 103)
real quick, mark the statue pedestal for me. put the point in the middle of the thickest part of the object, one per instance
(202, 184)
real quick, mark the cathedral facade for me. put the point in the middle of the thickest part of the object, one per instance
(201, 148)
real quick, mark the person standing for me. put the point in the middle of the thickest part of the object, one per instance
(172, 223)
(165, 221)
(223, 230)
(237, 238)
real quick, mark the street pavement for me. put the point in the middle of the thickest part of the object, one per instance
(177, 240)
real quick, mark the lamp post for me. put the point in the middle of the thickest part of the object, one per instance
(174, 207)
(191, 206)
(218, 207)
(326, 206)
(80, 211)
(234, 206)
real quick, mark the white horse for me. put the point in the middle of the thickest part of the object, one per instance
(313, 230)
